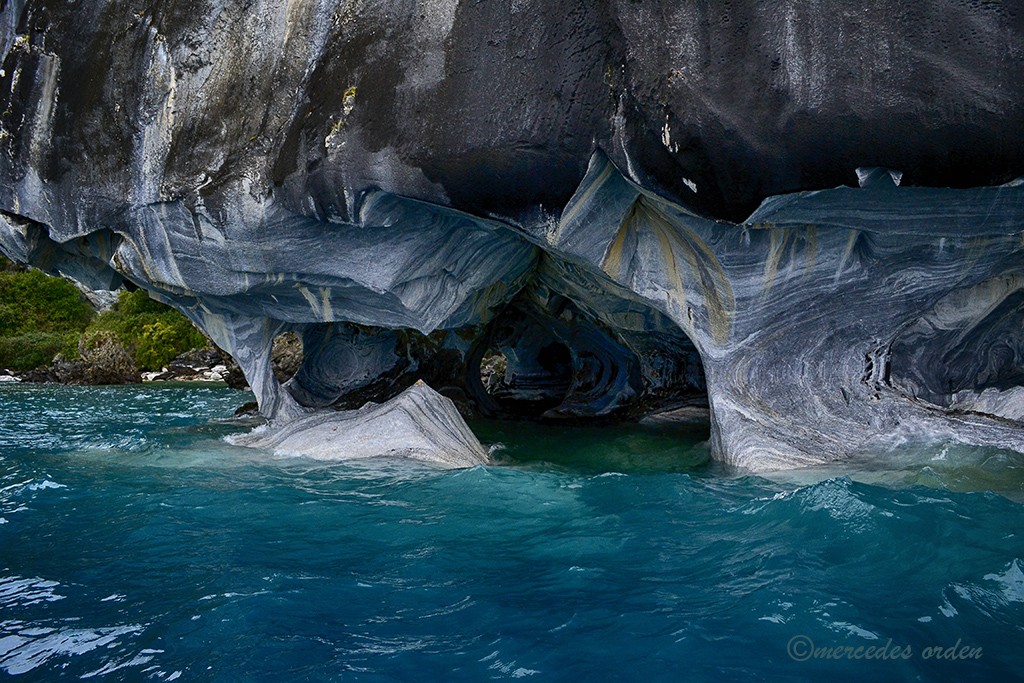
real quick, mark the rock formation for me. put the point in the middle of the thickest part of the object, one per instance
(412, 187)
(418, 424)
(829, 323)
(103, 359)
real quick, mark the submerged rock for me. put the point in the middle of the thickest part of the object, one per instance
(418, 424)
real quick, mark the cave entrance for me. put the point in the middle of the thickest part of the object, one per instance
(967, 352)
(528, 376)
(546, 356)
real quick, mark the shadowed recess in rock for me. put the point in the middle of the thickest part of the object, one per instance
(969, 345)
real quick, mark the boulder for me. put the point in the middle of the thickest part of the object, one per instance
(418, 424)
(286, 356)
(103, 359)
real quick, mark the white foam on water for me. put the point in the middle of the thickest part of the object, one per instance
(45, 484)
(1010, 583)
(23, 651)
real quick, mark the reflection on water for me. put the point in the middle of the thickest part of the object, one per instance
(605, 448)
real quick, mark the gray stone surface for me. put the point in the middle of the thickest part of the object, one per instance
(410, 186)
(418, 424)
(820, 318)
(495, 107)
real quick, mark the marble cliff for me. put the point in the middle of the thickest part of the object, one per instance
(633, 202)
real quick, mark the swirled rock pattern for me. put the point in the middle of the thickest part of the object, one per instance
(830, 323)
(418, 424)
(413, 187)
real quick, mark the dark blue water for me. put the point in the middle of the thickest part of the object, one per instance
(136, 545)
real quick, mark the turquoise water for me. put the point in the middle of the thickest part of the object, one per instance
(136, 545)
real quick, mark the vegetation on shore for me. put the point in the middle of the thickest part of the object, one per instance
(42, 316)
(153, 332)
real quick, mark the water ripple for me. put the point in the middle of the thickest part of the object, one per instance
(137, 543)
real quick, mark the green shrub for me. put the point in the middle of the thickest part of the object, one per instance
(32, 301)
(32, 349)
(41, 316)
(10, 320)
(155, 333)
(162, 341)
(8, 265)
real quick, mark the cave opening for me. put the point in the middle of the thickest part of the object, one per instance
(549, 357)
(529, 379)
(967, 352)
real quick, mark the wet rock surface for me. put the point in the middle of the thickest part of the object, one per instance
(418, 424)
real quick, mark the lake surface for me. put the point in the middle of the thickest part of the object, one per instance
(135, 544)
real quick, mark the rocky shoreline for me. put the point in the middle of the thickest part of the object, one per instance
(80, 372)
(107, 362)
